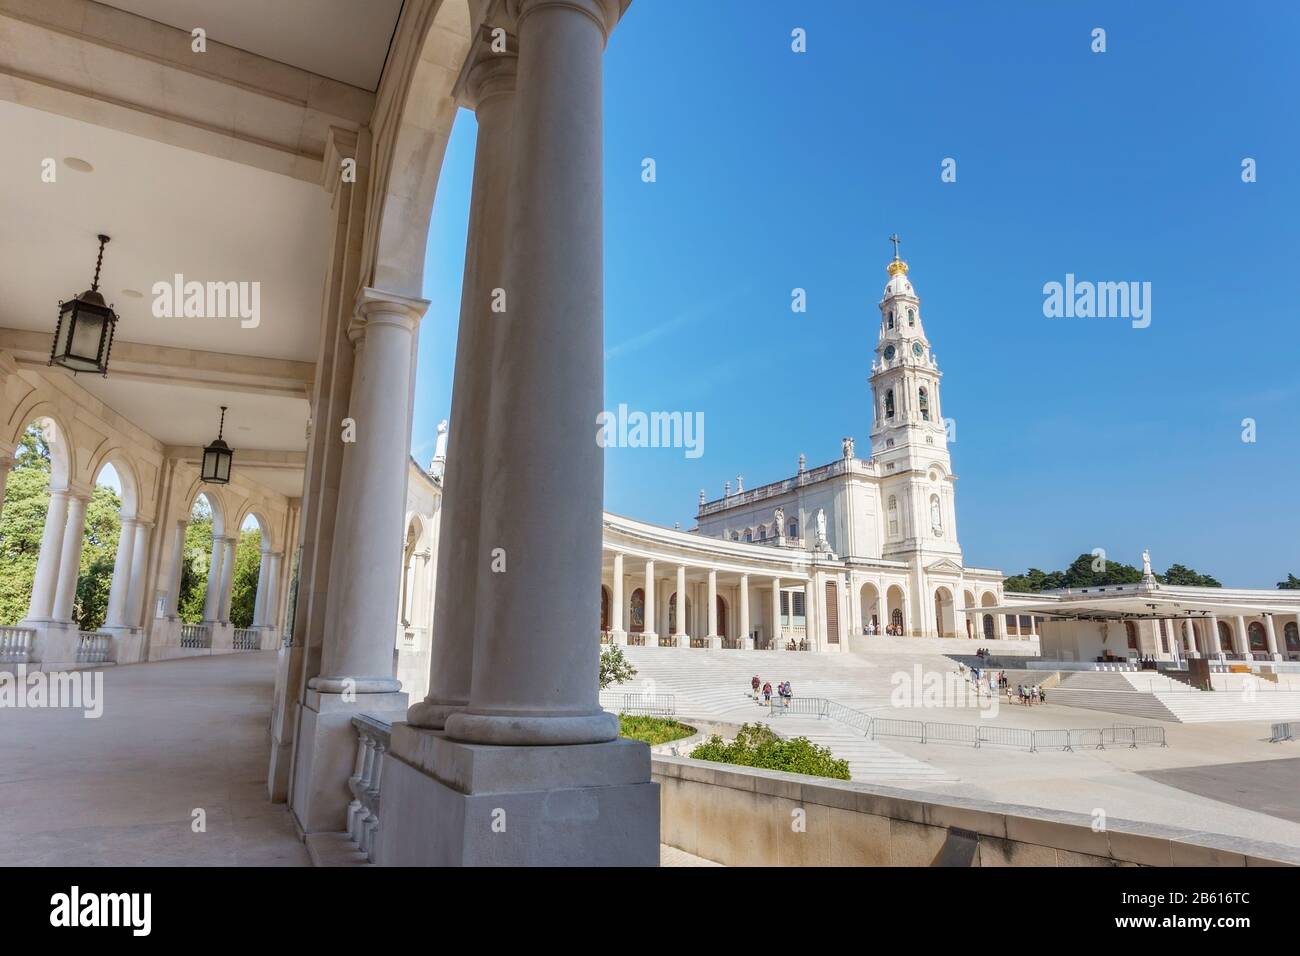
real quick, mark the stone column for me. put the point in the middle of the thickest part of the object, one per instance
(174, 575)
(1241, 639)
(488, 89)
(271, 607)
(115, 616)
(227, 579)
(1212, 627)
(649, 612)
(747, 642)
(259, 599)
(777, 643)
(616, 601)
(70, 557)
(683, 630)
(1271, 633)
(135, 595)
(46, 581)
(6, 463)
(715, 640)
(212, 590)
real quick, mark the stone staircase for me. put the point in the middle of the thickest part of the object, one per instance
(716, 685)
(1157, 697)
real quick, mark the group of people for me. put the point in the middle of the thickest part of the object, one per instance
(995, 682)
(1028, 695)
(783, 691)
(871, 630)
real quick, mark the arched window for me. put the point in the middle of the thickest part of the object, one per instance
(988, 627)
(636, 619)
(896, 619)
(889, 403)
(604, 608)
(1258, 641)
(893, 517)
(762, 532)
(911, 317)
(1291, 637)
(891, 320)
(1225, 638)
(923, 402)
(749, 534)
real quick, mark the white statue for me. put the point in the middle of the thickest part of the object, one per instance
(846, 445)
(936, 521)
(1146, 563)
(779, 515)
(821, 529)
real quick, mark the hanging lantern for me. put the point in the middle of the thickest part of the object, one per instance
(216, 458)
(84, 335)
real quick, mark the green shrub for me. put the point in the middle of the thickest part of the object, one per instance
(757, 746)
(652, 730)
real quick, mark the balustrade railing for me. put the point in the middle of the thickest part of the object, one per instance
(733, 643)
(636, 639)
(93, 647)
(16, 644)
(247, 639)
(658, 705)
(606, 637)
(373, 738)
(667, 640)
(196, 635)
(700, 642)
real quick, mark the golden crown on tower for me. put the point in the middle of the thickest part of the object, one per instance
(898, 266)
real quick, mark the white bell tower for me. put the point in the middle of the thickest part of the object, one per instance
(909, 439)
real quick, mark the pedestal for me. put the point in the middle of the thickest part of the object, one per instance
(447, 803)
(327, 753)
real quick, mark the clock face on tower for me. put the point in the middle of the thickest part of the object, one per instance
(916, 349)
(889, 353)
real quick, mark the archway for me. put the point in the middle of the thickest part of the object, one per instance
(31, 531)
(1225, 637)
(989, 599)
(944, 614)
(1291, 638)
(1131, 635)
(249, 588)
(1258, 638)
(114, 552)
(636, 615)
(414, 606)
(722, 615)
(969, 599)
(869, 601)
(895, 600)
(201, 559)
(604, 608)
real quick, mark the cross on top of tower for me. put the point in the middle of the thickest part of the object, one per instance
(895, 240)
(897, 265)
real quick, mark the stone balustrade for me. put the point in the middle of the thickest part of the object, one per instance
(373, 739)
(196, 635)
(247, 639)
(16, 644)
(94, 647)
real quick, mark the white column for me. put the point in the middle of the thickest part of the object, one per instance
(70, 557)
(178, 563)
(271, 609)
(616, 601)
(1189, 634)
(259, 599)
(777, 643)
(1241, 639)
(683, 629)
(135, 597)
(365, 579)
(1212, 628)
(490, 91)
(743, 601)
(715, 639)
(1271, 633)
(46, 581)
(534, 648)
(227, 579)
(649, 614)
(212, 590)
(115, 616)
(6, 463)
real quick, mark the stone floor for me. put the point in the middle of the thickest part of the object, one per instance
(121, 790)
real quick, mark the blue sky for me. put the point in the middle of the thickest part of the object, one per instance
(778, 170)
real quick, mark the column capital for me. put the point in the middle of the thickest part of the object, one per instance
(374, 307)
(487, 71)
(605, 13)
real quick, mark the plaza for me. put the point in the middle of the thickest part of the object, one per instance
(385, 655)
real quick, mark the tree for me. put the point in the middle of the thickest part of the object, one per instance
(22, 523)
(98, 555)
(194, 570)
(1292, 583)
(243, 588)
(615, 668)
(1088, 571)
(1179, 575)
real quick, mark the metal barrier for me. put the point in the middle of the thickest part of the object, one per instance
(1284, 731)
(890, 727)
(1007, 737)
(658, 705)
(952, 733)
(1087, 737)
(1052, 740)
(856, 719)
(803, 706)
(1132, 736)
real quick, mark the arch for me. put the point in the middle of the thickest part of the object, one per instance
(911, 318)
(215, 502)
(889, 403)
(604, 608)
(1291, 638)
(252, 510)
(416, 535)
(890, 320)
(721, 604)
(869, 601)
(895, 602)
(57, 440)
(923, 402)
(636, 615)
(988, 627)
(1225, 637)
(1258, 637)
(419, 107)
(127, 475)
(944, 613)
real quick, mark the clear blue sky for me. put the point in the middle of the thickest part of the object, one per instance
(778, 170)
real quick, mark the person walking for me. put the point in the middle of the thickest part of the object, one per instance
(755, 684)
(767, 693)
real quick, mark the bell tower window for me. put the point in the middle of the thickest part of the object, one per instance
(911, 318)
(891, 320)
(889, 403)
(893, 517)
(923, 402)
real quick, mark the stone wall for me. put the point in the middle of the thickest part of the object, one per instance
(744, 817)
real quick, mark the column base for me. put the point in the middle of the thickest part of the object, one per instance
(619, 637)
(356, 685)
(715, 642)
(284, 717)
(327, 751)
(432, 714)
(447, 803)
(127, 644)
(530, 730)
(749, 643)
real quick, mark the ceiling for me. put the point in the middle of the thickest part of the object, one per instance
(345, 40)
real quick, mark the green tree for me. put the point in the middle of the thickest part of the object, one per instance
(22, 522)
(1177, 574)
(98, 555)
(194, 570)
(1292, 583)
(756, 745)
(615, 668)
(243, 588)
